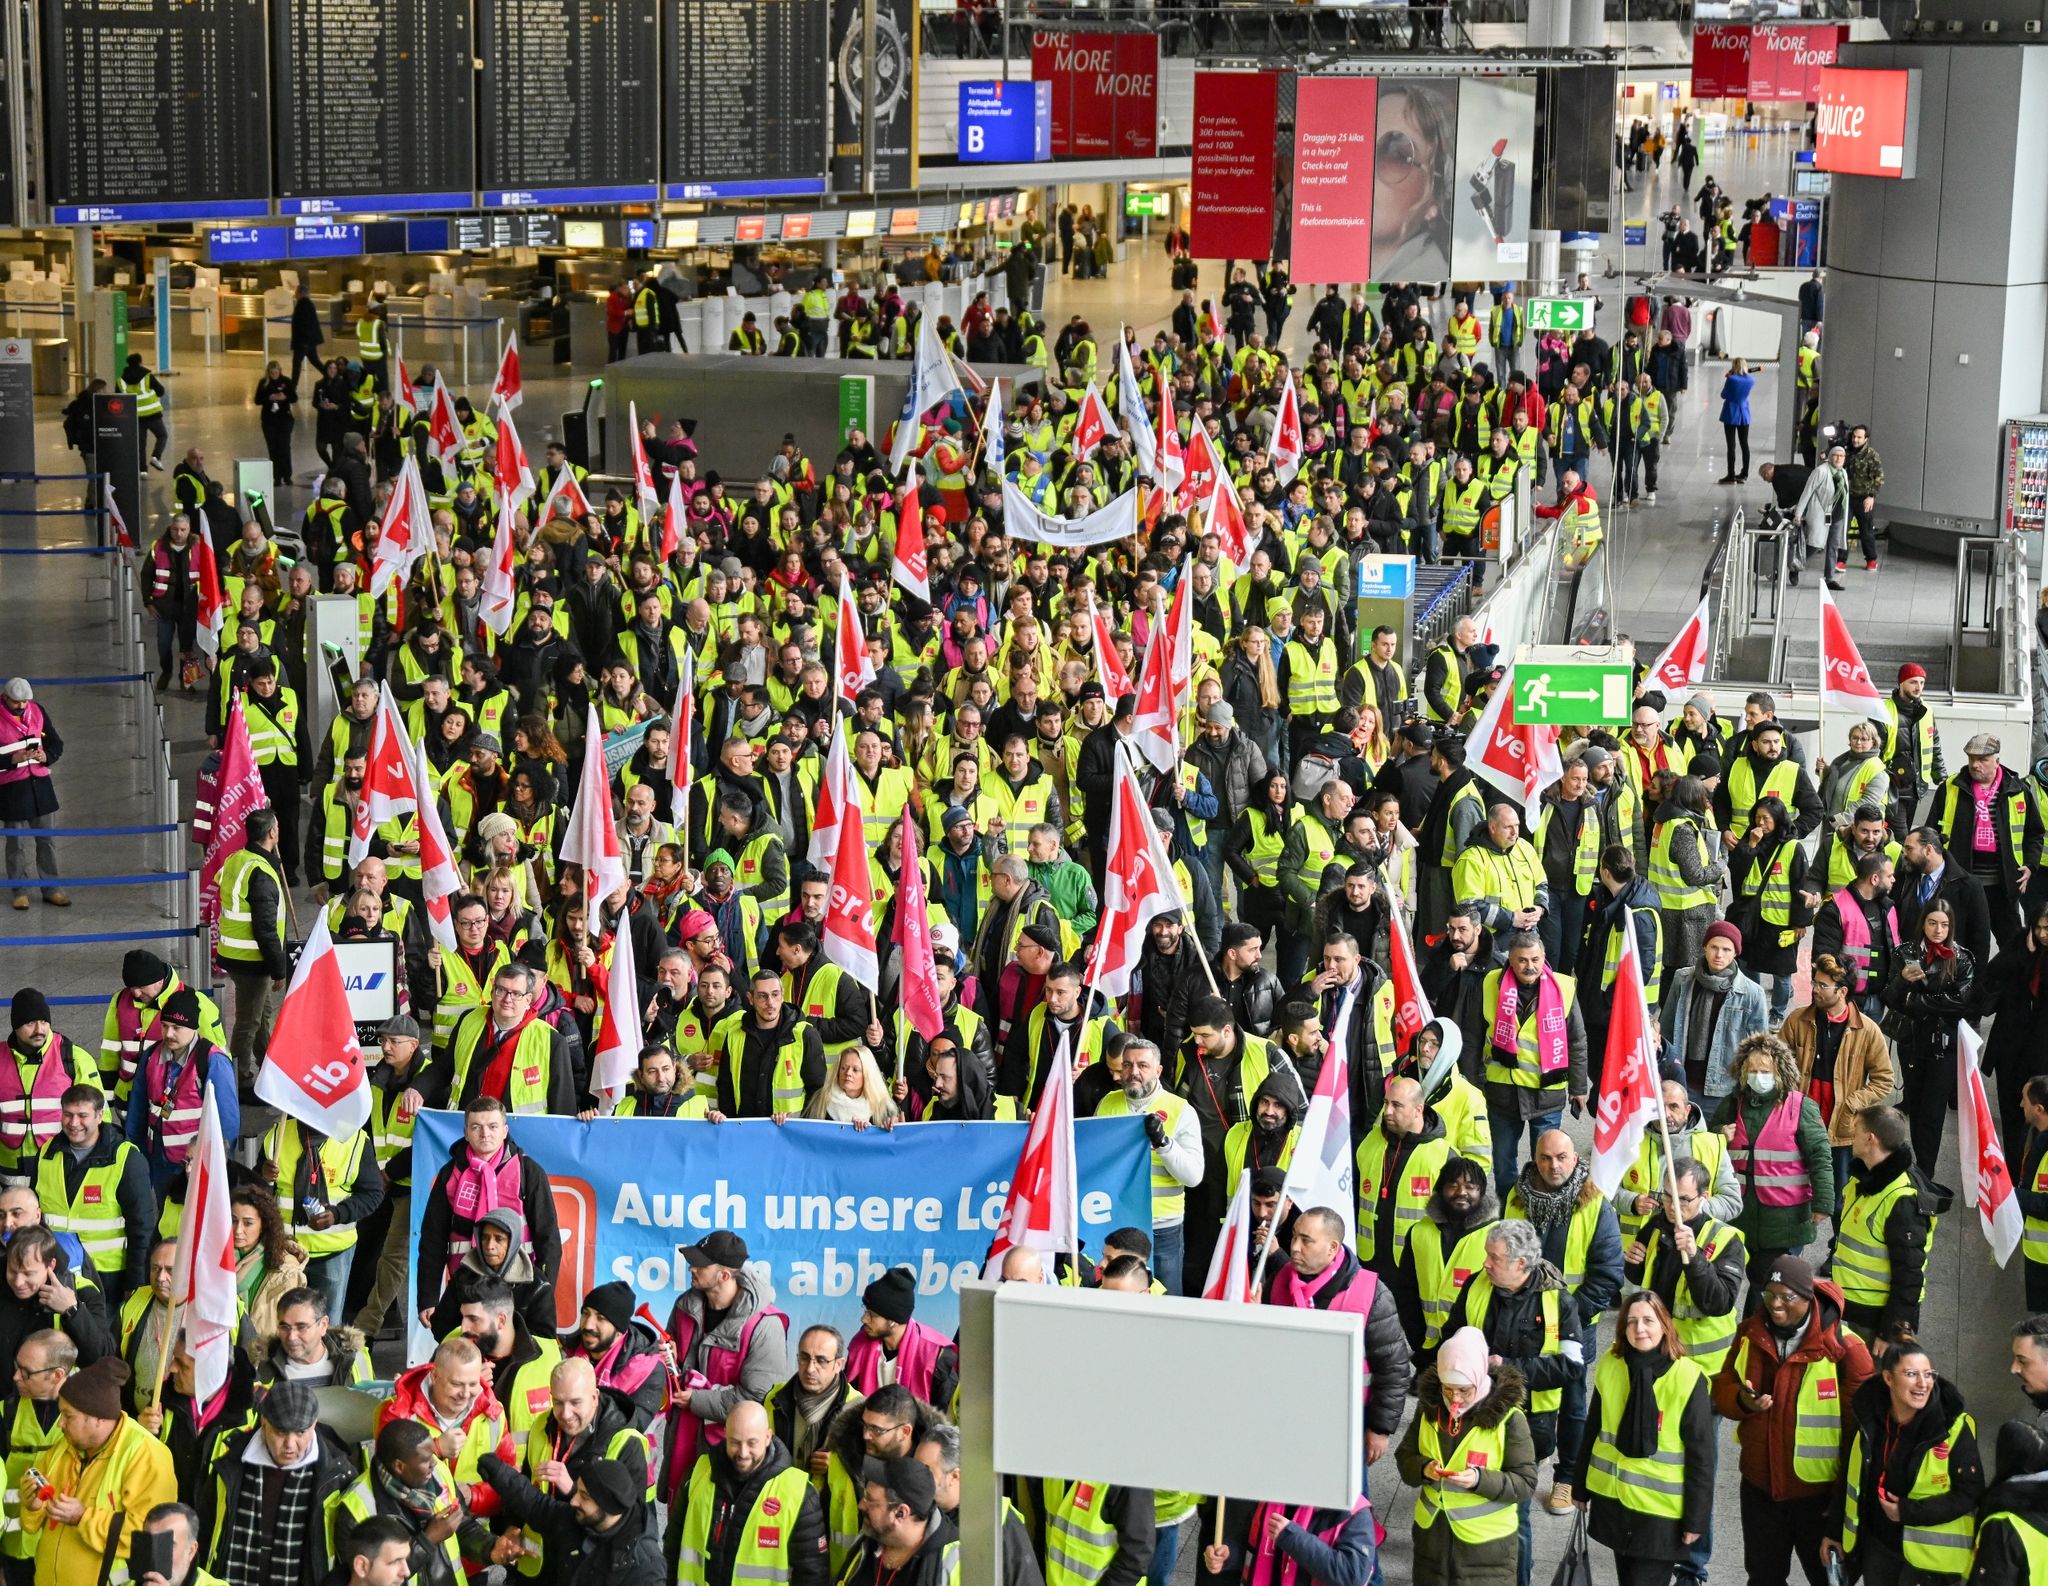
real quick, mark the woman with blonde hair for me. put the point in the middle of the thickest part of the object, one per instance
(856, 1093)
(1251, 687)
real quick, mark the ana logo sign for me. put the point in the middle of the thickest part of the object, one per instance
(363, 982)
(1867, 123)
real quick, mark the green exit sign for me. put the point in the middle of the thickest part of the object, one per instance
(1159, 205)
(1560, 313)
(1572, 696)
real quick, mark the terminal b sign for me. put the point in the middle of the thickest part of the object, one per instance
(1866, 123)
(1568, 314)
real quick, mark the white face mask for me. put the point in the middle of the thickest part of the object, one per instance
(1762, 1084)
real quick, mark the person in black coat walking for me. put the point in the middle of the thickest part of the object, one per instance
(1930, 992)
(2013, 988)
(306, 334)
(276, 396)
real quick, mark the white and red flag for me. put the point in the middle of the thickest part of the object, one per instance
(213, 601)
(849, 929)
(123, 535)
(1163, 682)
(1286, 449)
(507, 390)
(1844, 680)
(1987, 1180)
(1321, 1171)
(1223, 516)
(1043, 1211)
(674, 517)
(1173, 457)
(590, 837)
(444, 426)
(835, 787)
(203, 1267)
(1138, 885)
(238, 789)
(644, 493)
(908, 566)
(314, 1068)
(403, 388)
(515, 473)
(565, 497)
(1519, 760)
(1203, 467)
(682, 722)
(1093, 425)
(924, 1005)
(1109, 666)
(406, 532)
(389, 786)
(1230, 1268)
(439, 883)
(619, 1029)
(1411, 1002)
(1630, 1097)
(500, 579)
(1684, 661)
(852, 671)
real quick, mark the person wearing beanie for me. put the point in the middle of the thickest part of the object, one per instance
(274, 1477)
(623, 1350)
(29, 746)
(166, 1099)
(894, 1347)
(1786, 1385)
(1711, 1009)
(105, 1474)
(1700, 731)
(130, 1024)
(39, 1066)
(1910, 748)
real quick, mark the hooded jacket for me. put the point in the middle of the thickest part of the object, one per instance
(1438, 1555)
(766, 1362)
(635, 1353)
(1869, 1412)
(1766, 1437)
(533, 1297)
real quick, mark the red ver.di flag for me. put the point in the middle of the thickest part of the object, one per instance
(1236, 116)
(1333, 133)
(314, 1068)
(1105, 93)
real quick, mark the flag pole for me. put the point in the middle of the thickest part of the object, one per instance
(163, 1355)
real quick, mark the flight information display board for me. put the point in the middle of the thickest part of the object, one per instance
(155, 110)
(746, 97)
(375, 109)
(569, 113)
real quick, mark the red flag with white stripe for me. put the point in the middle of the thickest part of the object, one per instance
(406, 531)
(403, 388)
(1224, 515)
(1519, 760)
(681, 725)
(1844, 680)
(1987, 1181)
(1287, 439)
(908, 566)
(1230, 1268)
(1163, 682)
(848, 930)
(1109, 666)
(238, 789)
(500, 573)
(444, 427)
(1202, 467)
(852, 671)
(644, 493)
(565, 497)
(515, 473)
(1411, 1002)
(618, 1036)
(213, 603)
(923, 1004)
(674, 517)
(834, 789)
(1684, 661)
(1093, 424)
(1630, 1096)
(1138, 885)
(1321, 1171)
(439, 883)
(507, 389)
(1173, 457)
(203, 1268)
(1042, 1211)
(388, 783)
(314, 1069)
(590, 836)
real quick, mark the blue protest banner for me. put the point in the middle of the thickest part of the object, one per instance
(824, 1209)
(621, 746)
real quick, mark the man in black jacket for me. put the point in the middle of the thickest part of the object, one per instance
(43, 1292)
(747, 1082)
(584, 1424)
(1881, 1151)
(1927, 872)
(728, 1498)
(604, 1529)
(265, 1506)
(907, 1540)
(938, 1450)
(1252, 990)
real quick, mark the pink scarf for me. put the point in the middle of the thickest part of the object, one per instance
(1985, 839)
(1550, 1046)
(1302, 1292)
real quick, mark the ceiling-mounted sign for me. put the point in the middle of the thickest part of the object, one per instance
(1105, 93)
(1866, 123)
(1005, 123)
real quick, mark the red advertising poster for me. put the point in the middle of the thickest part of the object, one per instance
(1236, 121)
(1333, 137)
(1105, 93)
(1785, 61)
(795, 227)
(1866, 123)
(1720, 62)
(750, 228)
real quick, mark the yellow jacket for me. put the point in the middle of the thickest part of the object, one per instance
(130, 1476)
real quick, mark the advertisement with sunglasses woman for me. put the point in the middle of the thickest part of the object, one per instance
(1496, 146)
(1413, 161)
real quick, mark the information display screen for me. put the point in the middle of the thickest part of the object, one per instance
(568, 108)
(746, 97)
(155, 109)
(375, 109)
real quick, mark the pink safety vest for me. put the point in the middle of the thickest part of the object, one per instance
(916, 1358)
(1288, 1289)
(477, 1188)
(34, 1111)
(1271, 1567)
(1856, 945)
(132, 1021)
(721, 1370)
(1774, 1163)
(19, 729)
(174, 1112)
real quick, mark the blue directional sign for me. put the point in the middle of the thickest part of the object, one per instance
(247, 244)
(1005, 123)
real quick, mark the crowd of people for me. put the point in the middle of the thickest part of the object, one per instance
(1764, 1261)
